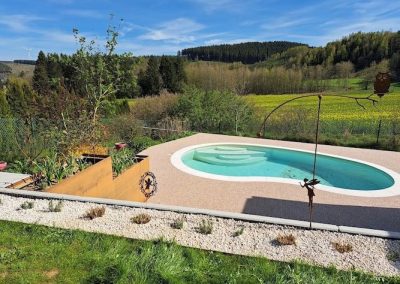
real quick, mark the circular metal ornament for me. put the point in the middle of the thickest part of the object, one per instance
(148, 184)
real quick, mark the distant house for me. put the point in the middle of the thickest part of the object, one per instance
(5, 71)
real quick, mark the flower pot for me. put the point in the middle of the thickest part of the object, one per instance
(3, 165)
(120, 145)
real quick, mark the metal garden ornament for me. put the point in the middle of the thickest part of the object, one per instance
(148, 184)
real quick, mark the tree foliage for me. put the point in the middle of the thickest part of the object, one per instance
(361, 49)
(150, 79)
(248, 52)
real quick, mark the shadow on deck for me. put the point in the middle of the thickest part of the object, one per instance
(345, 215)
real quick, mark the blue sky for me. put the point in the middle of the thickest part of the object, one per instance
(164, 27)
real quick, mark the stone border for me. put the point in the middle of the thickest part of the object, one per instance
(214, 213)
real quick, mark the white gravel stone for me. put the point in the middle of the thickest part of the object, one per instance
(369, 253)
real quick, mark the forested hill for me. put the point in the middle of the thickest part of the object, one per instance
(361, 49)
(248, 53)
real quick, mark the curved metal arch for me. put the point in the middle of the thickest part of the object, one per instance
(261, 133)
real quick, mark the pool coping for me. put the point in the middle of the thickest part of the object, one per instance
(208, 212)
(393, 190)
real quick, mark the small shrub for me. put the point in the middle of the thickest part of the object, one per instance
(286, 240)
(141, 143)
(238, 232)
(342, 247)
(141, 219)
(393, 256)
(55, 208)
(27, 205)
(95, 212)
(178, 223)
(1, 201)
(205, 227)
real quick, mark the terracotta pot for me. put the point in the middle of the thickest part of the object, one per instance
(3, 165)
(120, 145)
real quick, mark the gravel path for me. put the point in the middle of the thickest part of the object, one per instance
(369, 254)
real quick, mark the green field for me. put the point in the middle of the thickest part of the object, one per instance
(38, 254)
(335, 108)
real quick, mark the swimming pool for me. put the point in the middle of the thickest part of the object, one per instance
(249, 162)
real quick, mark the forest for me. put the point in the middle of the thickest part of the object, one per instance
(247, 52)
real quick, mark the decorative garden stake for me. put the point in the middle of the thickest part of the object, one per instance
(381, 87)
(148, 184)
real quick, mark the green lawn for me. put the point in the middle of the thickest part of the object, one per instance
(37, 254)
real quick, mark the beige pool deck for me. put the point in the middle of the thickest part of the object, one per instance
(176, 187)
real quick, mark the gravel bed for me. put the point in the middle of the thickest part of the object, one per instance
(369, 254)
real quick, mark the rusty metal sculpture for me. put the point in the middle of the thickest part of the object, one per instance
(381, 87)
(382, 84)
(148, 184)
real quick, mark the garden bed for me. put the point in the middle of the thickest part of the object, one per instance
(100, 180)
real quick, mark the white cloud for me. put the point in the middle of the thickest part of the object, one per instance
(177, 31)
(19, 22)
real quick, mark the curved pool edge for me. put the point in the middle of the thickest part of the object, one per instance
(393, 190)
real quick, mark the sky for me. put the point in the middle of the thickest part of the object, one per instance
(166, 26)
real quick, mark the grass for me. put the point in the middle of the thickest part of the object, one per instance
(141, 219)
(37, 254)
(286, 240)
(238, 232)
(27, 205)
(95, 212)
(178, 223)
(55, 207)
(206, 227)
(342, 247)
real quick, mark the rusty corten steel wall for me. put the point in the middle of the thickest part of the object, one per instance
(97, 181)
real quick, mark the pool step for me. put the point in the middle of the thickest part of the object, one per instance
(233, 157)
(217, 161)
(214, 152)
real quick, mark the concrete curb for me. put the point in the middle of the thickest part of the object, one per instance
(214, 213)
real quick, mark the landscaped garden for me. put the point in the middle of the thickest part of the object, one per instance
(78, 124)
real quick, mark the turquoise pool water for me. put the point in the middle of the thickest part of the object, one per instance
(258, 161)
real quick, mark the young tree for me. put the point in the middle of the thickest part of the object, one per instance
(40, 80)
(150, 80)
(168, 73)
(395, 66)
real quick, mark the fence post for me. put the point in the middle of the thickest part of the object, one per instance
(379, 131)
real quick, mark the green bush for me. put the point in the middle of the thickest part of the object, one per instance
(140, 143)
(124, 128)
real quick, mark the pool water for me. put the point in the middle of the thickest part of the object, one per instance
(259, 161)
